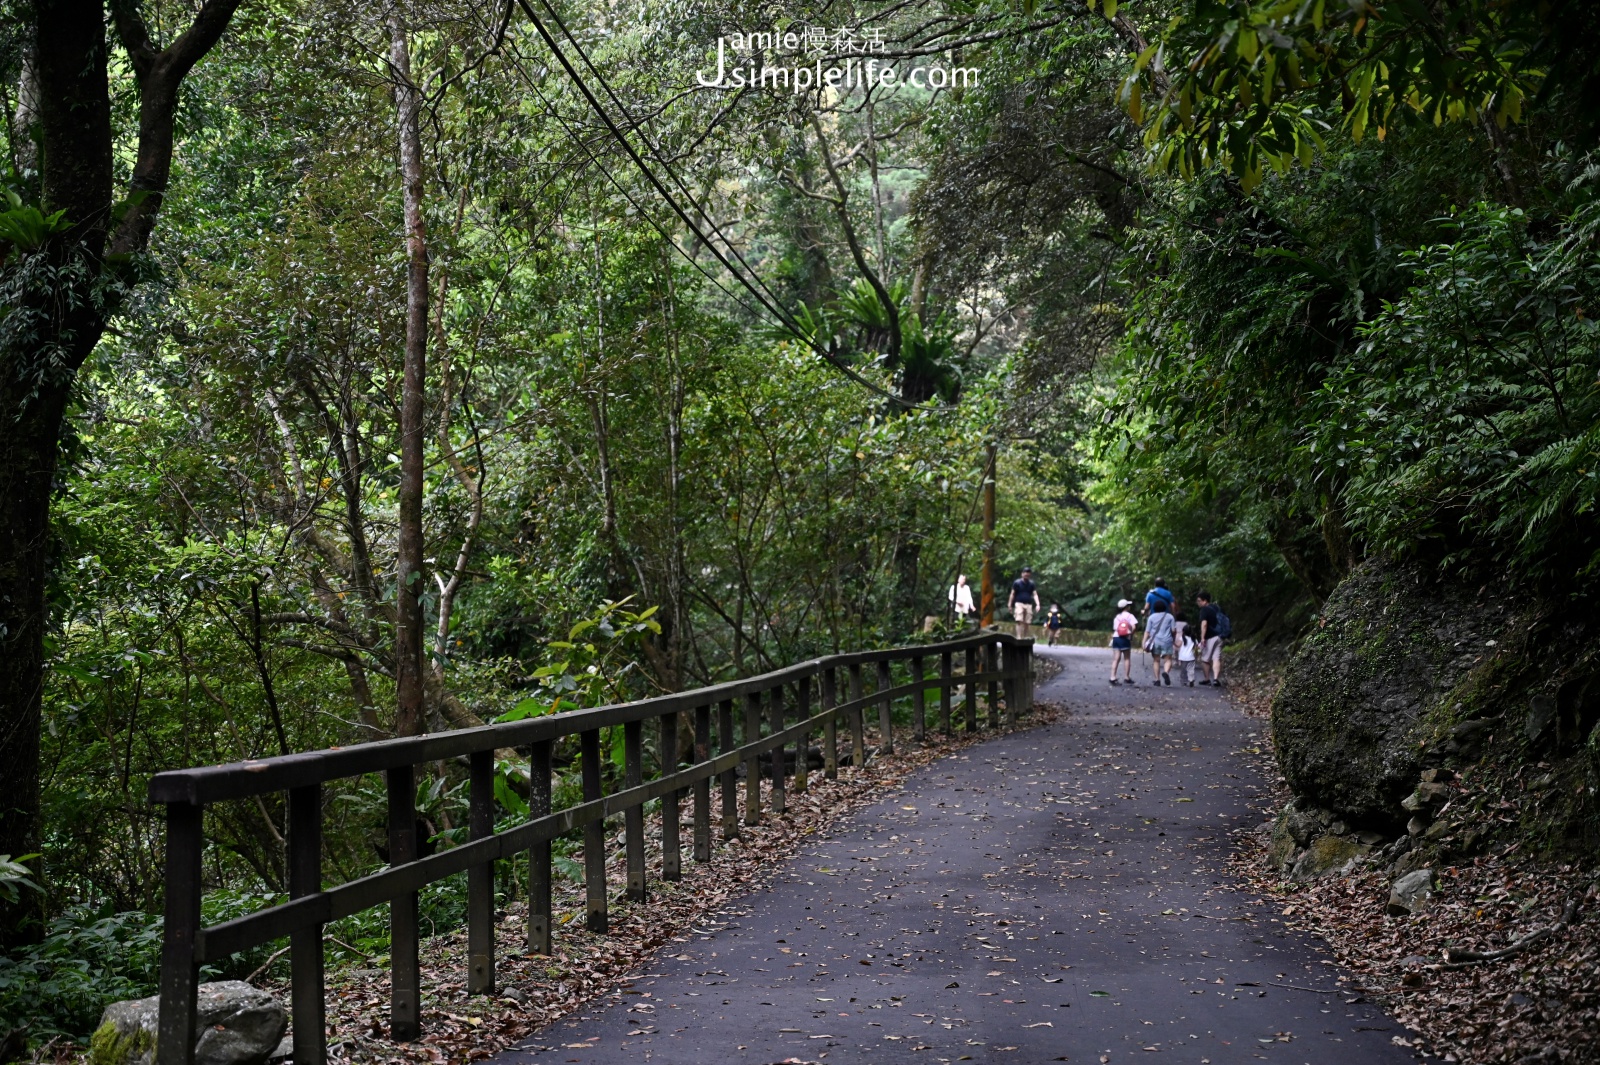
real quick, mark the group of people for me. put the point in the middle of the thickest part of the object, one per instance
(1023, 603)
(1170, 638)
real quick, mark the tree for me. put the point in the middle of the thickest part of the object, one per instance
(69, 254)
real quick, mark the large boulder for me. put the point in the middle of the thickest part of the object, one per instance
(235, 1024)
(1358, 701)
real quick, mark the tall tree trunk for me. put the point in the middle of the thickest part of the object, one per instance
(54, 299)
(410, 580)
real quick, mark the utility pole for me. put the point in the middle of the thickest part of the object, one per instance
(986, 607)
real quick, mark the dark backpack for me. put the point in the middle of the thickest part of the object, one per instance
(1224, 626)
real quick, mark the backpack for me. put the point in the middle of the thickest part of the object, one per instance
(1124, 629)
(1224, 626)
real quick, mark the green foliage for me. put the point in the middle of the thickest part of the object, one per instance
(88, 958)
(1257, 86)
(15, 876)
(1467, 423)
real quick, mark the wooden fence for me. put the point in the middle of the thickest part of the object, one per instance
(747, 719)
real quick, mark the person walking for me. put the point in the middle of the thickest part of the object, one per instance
(1211, 635)
(1052, 624)
(1158, 638)
(1023, 602)
(1186, 656)
(961, 599)
(1122, 641)
(1158, 594)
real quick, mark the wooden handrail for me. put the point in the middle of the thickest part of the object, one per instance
(186, 793)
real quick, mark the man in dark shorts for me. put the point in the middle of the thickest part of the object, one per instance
(1022, 603)
(1209, 651)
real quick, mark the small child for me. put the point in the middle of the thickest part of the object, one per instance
(1052, 624)
(1186, 658)
(1122, 641)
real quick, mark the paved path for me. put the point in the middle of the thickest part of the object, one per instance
(1052, 895)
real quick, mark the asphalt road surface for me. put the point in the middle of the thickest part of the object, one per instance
(1057, 894)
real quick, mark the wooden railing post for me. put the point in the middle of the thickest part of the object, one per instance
(802, 759)
(305, 945)
(885, 711)
(594, 836)
(1027, 690)
(919, 703)
(702, 787)
(633, 816)
(945, 685)
(730, 798)
(752, 763)
(969, 692)
(671, 829)
(480, 876)
(1013, 684)
(858, 728)
(830, 724)
(539, 917)
(405, 973)
(992, 665)
(180, 976)
(780, 799)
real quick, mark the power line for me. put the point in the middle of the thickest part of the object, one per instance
(760, 296)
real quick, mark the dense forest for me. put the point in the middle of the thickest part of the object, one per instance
(371, 370)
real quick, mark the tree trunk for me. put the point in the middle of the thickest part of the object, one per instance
(54, 300)
(410, 580)
(27, 468)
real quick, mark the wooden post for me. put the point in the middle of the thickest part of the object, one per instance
(885, 711)
(594, 836)
(858, 728)
(702, 787)
(945, 685)
(405, 973)
(1009, 658)
(1027, 691)
(919, 702)
(830, 724)
(970, 692)
(991, 658)
(633, 816)
(730, 798)
(480, 876)
(180, 976)
(671, 830)
(752, 764)
(539, 855)
(780, 800)
(802, 766)
(305, 944)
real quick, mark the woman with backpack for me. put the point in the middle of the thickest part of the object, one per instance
(1122, 641)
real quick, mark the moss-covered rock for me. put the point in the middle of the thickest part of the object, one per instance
(235, 1024)
(1393, 652)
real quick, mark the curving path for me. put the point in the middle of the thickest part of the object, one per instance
(1051, 895)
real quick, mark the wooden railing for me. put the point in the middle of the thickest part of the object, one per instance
(777, 712)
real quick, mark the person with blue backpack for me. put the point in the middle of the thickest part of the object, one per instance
(1214, 628)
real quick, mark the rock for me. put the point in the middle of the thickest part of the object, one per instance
(1541, 715)
(1417, 826)
(1438, 775)
(1438, 830)
(284, 1050)
(1302, 824)
(1282, 849)
(1411, 893)
(235, 1024)
(1327, 854)
(1353, 716)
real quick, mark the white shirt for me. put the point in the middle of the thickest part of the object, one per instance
(961, 596)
